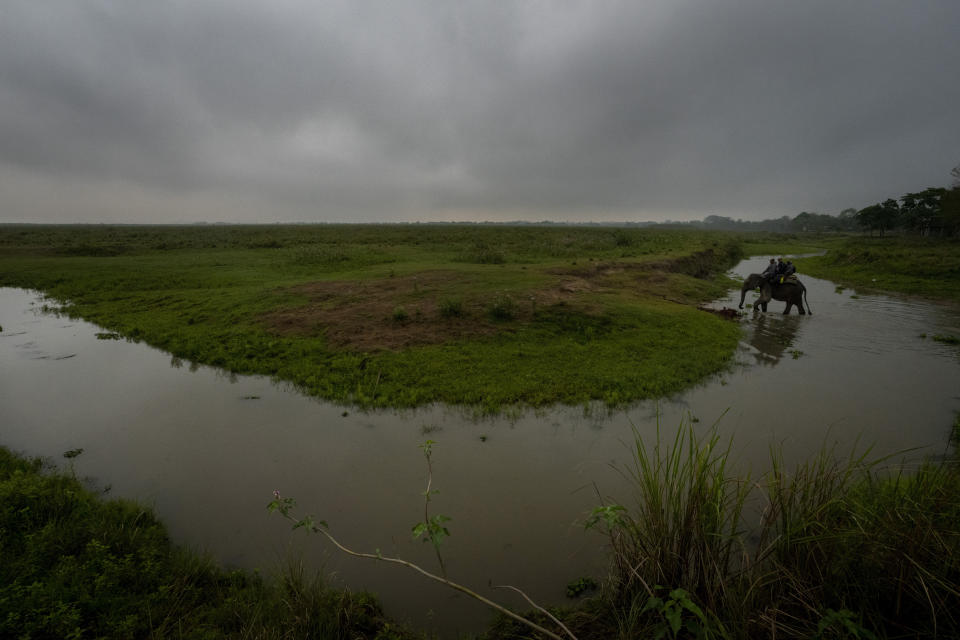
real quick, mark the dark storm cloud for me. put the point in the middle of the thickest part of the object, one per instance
(438, 110)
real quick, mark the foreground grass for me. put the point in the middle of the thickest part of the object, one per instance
(401, 316)
(73, 565)
(844, 548)
(928, 267)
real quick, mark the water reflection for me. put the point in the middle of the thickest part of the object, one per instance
(773, 336)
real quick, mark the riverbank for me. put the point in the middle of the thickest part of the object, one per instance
(403, 316)
(928, 267)
(74, 564)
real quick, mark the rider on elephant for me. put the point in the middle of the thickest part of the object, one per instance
(771, 271)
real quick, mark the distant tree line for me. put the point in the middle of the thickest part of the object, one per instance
(933, 211)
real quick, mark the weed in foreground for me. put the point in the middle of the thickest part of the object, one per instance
(845, 548)
(432, 529)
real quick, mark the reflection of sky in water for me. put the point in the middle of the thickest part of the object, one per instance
(208, 448)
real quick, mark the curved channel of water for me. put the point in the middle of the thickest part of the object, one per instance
(207, 449)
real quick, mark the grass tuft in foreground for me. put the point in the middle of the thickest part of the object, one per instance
(843, 548)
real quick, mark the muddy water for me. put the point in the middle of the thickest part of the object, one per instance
(207, 449)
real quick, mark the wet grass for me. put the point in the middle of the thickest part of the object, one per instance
(928, 267)
(529, 316)
(74, 565)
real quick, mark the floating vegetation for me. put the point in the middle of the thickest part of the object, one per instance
(581, 586)
(107, 335)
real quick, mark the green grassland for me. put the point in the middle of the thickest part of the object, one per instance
(401, 316)
(928, 267)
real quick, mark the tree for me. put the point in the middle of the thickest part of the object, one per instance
(881, 217)
(920, 211)
(950, 210)
(869, 218)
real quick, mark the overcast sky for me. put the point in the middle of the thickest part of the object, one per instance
(362, 111)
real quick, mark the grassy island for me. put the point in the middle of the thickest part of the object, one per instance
(401, 316)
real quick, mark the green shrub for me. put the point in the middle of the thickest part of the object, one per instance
(502, 307)
(451, 308)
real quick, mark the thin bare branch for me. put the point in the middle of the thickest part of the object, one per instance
(537, 607)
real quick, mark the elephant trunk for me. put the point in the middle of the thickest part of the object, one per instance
(750, 283)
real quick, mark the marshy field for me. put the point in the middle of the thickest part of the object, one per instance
(603, 435)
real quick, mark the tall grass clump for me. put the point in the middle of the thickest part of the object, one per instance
(847, 535)
(833, 547)
(683, 532)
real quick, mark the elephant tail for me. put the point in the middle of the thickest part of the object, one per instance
(809, 310)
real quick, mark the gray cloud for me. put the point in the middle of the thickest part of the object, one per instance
(365, 111)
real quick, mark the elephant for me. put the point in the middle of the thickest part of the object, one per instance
(793, 292)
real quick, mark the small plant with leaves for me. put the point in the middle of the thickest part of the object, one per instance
(842, 624)
(432, 528)
(581, 586)
(679, 616)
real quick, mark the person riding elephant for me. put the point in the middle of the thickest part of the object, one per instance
(781, 267)
(771, 271)
(792, 292)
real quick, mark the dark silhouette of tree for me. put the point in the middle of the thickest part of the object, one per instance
(921, 212)
(950, 204)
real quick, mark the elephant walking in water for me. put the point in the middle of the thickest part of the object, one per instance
(792, 292)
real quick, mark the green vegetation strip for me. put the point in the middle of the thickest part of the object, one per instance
(401, 316)
(923, 266)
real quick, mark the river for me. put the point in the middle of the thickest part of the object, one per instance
(207, 449)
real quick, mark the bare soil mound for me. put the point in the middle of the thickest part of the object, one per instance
(404, 311)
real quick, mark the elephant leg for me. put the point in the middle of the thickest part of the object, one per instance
(786, 311)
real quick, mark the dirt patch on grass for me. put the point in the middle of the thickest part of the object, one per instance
(435, 307)
(419, 309)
